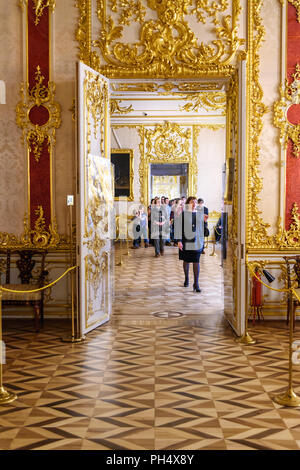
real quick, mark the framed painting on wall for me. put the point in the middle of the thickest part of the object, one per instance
(122, 160)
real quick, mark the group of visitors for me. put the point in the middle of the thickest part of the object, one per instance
(181, 222)
(162, 212)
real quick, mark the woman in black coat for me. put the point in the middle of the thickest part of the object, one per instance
(192, 240)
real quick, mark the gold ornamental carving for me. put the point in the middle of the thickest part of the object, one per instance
(290, 238)
(206, 100)
(166, 46)
(257, 235)
(129, 10)
(116, 108)
(37, 238)
(38, 7)
(296, 4)
(167, 143)
(40, 96)
(167, 86)
(96, 99)
(289, 95)
(95, 270)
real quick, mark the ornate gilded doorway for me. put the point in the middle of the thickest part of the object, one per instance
(139, 47)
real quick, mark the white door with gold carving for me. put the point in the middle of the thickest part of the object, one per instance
(94, 199)
(234, 219)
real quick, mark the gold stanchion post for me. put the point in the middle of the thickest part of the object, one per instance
(120, 238)
(75, 337)
(246, 338)
(5, 395)
(289, 397)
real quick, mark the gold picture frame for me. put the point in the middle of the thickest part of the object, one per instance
(124, 173)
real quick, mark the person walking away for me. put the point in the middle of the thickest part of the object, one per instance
(143, 226)
(191, 240)
(158, 220)
(167, 208)
(136, 230)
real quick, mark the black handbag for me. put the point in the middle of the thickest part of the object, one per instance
(206, 232)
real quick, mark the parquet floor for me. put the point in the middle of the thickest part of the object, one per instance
(143, 382)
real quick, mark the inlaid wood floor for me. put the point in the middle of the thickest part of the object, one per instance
(146, 285)
(143, 382)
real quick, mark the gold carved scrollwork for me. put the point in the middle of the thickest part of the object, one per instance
(257, 235)
(115, 107)
(290, 238)
(94, 270)
(166, 143)
(39, 96)
(167, 46)
(39, 6)
(83, 31)
(39, 237)
(289, 95)
(95, 89)
(207, 100)
(129, 9)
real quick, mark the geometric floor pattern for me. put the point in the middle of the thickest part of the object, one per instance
(145, 284)
(153, 385)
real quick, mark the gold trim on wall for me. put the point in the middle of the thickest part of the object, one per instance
(131, 171)
(257, 230)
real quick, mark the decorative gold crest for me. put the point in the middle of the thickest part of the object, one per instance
(166, 46)
(289, 96)
(41, 98)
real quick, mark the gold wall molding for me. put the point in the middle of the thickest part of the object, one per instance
(257, 236)
(289, 95)
(116, 108)
(40, 95)
(166, 46)
(167, 86)
(207, 100)
(257, 230)
(296, 4)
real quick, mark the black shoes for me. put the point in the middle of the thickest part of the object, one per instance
(186, 283)
(196, 288)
